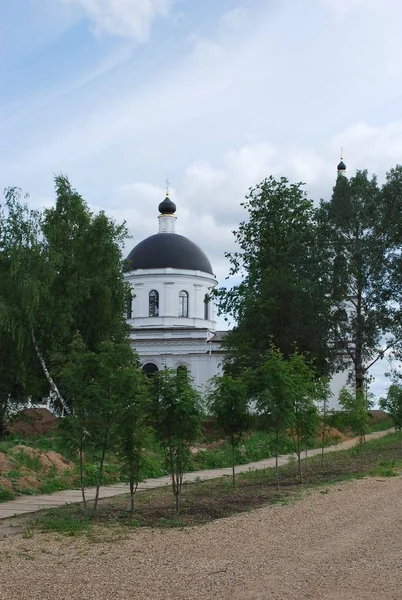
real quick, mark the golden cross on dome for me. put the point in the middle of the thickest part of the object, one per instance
(167, 187)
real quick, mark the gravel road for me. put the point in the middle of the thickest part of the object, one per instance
(341, 543)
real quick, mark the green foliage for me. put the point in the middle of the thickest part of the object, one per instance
(176, 419)
(281, 298)
(364, 281)
(357, 411)
(20, 249)
(131, 434)
(387, 468)
(228, 402)
(6, 495)
(108, 392)
(392, 404)
(61, 272)
(61, 521)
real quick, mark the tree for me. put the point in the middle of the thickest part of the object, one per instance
(228, 402)
(364, 292)
(177, 422)
(392, 404)
(356, 407)
(20, 261)
(281, 298)
(274, 396)
(303, 389)
(103, 387)
(63, 273)
(323, 394)
(87, 291)
(75, 371)
(132, 430)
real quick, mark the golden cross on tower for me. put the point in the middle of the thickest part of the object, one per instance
(167, 187)
(341, 153)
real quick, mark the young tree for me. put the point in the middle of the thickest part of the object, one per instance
(274, 396)
(305, 422)
(132, 430)
(365, 285)
(102, 386)
(75, 371)
(392, 404)
(323, 394)
(228, 402)
(281, 298)
(357, 410)
(177, 422)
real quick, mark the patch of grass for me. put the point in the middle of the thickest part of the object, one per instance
(387, 468)
(259, 446)
(68, 521)
(381, 424)
(6, 495)
(24, 460)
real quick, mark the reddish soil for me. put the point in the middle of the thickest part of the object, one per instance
(5, 463)
(33, 421)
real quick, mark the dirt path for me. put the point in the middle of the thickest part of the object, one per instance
(32, 504)
(340, 543)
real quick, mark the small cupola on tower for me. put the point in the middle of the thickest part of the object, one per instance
(341, 168)
(167, 208)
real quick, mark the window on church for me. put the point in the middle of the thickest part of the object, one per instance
(153, 303)
(183, 304)
(206, 308)
(129, 307)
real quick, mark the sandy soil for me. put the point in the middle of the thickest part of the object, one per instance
(341, 543)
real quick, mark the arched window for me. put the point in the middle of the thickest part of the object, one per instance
(149, 368)
(183, 304)
(153, 303)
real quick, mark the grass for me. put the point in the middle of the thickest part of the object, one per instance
(204, 501)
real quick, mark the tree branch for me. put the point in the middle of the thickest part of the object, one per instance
(381, 354)
(49, 378)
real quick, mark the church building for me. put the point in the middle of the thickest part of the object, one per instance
(171, 314)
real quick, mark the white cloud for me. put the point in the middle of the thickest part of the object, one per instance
(125, 18)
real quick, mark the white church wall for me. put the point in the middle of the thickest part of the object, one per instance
(169, 283)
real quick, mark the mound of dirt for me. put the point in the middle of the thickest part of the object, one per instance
(33, 421)
(47, 459)
(6, 484)
(331, 433)
(378, 415)
(5, 463)
(27, 482)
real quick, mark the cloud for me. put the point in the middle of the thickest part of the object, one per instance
(124, 18)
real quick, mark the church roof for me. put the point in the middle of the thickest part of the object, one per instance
(163, 251)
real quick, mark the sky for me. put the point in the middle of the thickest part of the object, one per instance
(213, 94)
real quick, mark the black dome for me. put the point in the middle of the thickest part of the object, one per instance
(169, 250)
(341, 166)
(167, 207)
